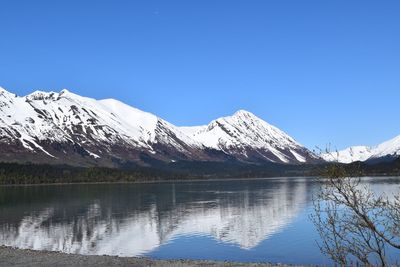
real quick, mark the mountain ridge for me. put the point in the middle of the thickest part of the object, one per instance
(387, 150)
(66, 127)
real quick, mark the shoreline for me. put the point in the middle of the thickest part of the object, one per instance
(164, 181)
(13, 257)
(187, 180)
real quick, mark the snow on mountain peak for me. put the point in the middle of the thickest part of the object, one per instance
(44, 95)
(51, 121)
(245, 134)
(5, 94)
(388, 148)
(70, 94)
(64, 91)
(363, 153)
(136, 122)
(41, 95)
(348, 155)
(243, 113)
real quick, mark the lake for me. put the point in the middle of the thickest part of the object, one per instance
(237, 220)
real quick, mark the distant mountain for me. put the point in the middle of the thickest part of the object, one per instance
(385, 151)
(63, 127)
(348, 155)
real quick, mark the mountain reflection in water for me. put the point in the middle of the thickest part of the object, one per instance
(132, 219)
(239, 220)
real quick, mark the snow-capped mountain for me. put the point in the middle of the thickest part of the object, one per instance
(68, 128)
(388, 149)
(348, 155)
(65, 125)
(245, 136)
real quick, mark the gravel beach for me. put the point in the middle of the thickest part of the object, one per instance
(12, 257)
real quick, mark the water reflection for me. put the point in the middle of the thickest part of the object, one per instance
(248, 220)
(131, 220)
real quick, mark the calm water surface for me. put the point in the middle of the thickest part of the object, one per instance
(241, 220)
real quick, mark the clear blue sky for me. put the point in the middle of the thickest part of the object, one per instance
(323, 71)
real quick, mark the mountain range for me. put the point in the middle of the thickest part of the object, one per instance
(63, 127)
(66, 128)
(385, 151)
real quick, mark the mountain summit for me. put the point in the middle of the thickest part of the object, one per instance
(247, 137)
(63, 127)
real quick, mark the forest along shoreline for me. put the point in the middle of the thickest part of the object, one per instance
(28, 174)
(13, 257)
(167, 181)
